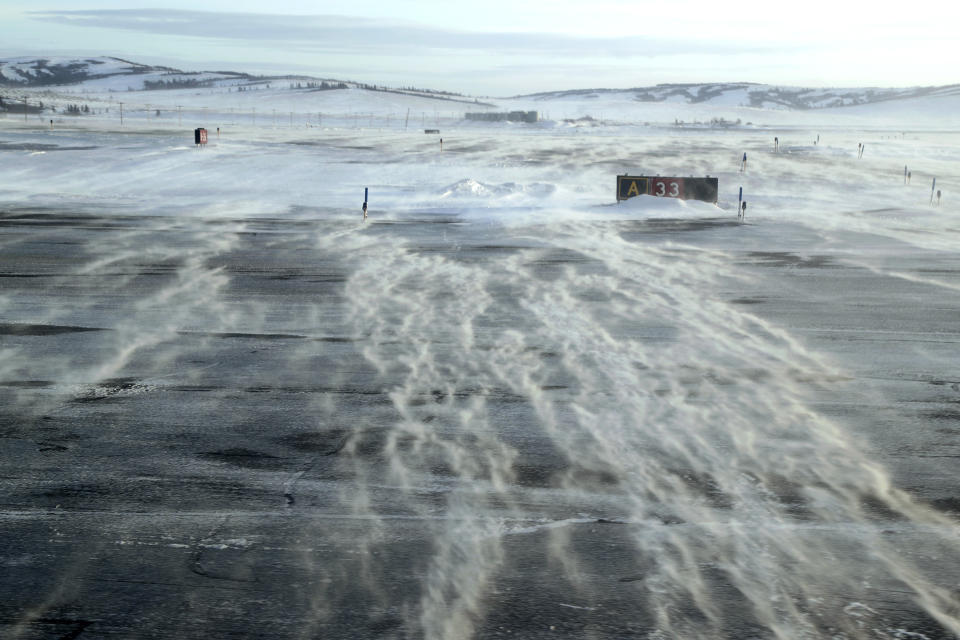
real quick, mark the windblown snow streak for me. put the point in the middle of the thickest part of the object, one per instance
(680, 417)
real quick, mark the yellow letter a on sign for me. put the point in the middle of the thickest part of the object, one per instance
(632, 191)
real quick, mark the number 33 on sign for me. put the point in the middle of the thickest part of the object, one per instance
(667, 187)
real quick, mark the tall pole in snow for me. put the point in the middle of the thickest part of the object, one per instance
(932, 188)
(739, 202)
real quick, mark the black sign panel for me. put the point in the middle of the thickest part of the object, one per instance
(706, 189)
(200, 136)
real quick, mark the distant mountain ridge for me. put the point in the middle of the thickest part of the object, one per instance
(117, 74)
(748, 94)
(39, 72)
(43, 72)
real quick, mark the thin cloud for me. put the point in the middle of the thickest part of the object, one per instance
(345, 34)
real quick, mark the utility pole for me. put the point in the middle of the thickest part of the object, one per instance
(121, 114)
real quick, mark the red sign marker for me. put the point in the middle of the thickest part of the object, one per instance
(667, 187)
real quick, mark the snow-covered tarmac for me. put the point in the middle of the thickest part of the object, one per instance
(503, 406)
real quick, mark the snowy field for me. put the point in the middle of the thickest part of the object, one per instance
(504, 405)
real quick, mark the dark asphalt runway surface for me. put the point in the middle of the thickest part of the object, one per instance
(198, 437)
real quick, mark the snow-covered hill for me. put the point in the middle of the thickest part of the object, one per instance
(118, 74)
(33, 72)
(744, 94)
(50, 87)
(115, 74)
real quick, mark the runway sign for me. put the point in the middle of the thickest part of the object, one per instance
(200, 136)
(705, 189)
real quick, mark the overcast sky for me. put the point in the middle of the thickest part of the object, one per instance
(505, 47)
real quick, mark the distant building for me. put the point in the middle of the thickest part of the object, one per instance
(509, 116)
